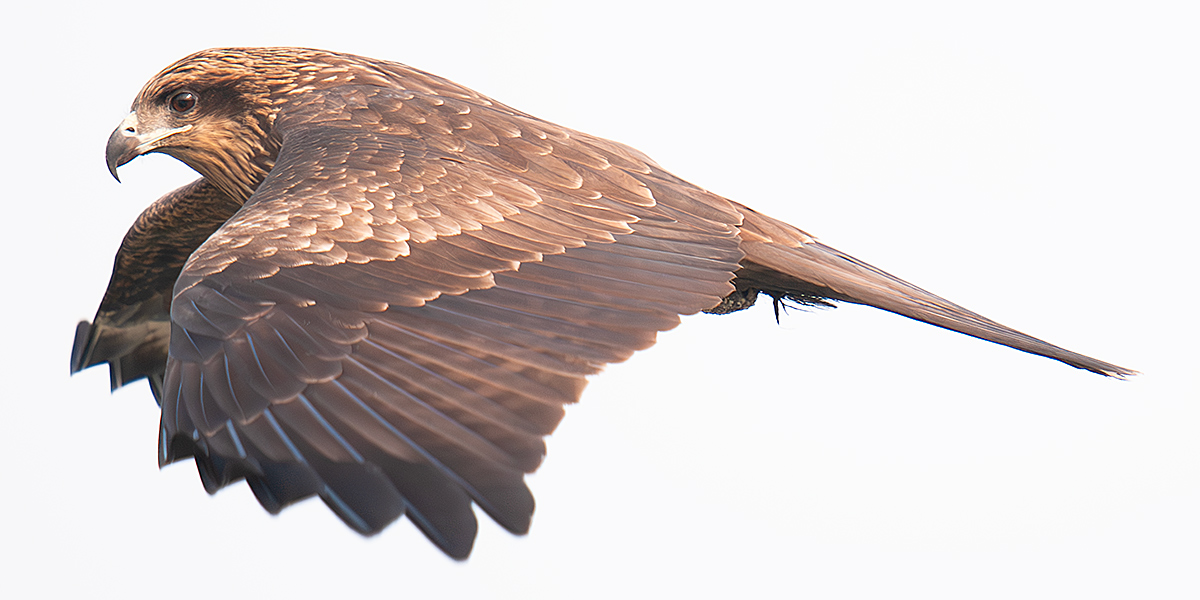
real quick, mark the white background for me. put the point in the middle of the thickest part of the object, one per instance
(1035, 161)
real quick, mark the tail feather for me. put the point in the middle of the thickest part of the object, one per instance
(781, 260)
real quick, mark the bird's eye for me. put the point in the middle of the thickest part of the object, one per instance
(183, 102)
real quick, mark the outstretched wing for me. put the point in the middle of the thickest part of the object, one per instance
(132, 325)
(398, 315)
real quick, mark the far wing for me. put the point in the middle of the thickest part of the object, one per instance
(132, 325)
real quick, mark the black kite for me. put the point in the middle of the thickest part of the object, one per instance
(386, 286)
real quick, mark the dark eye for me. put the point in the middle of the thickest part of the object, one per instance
(183, 102)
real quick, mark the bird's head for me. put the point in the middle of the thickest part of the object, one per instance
(213, 110)
(217, 109)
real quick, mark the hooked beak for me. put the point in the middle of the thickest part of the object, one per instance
(127, 142)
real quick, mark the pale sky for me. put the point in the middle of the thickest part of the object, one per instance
(1036, 162)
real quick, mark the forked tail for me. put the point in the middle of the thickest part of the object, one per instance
(784, 261)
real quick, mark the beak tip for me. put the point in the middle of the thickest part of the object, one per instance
(122, 145)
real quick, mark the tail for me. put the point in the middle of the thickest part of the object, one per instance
(784, 262)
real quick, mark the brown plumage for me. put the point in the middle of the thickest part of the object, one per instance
(386, 286)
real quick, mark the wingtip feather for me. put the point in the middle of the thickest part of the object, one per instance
(79, 350)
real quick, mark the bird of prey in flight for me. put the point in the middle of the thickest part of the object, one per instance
(386, 286)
